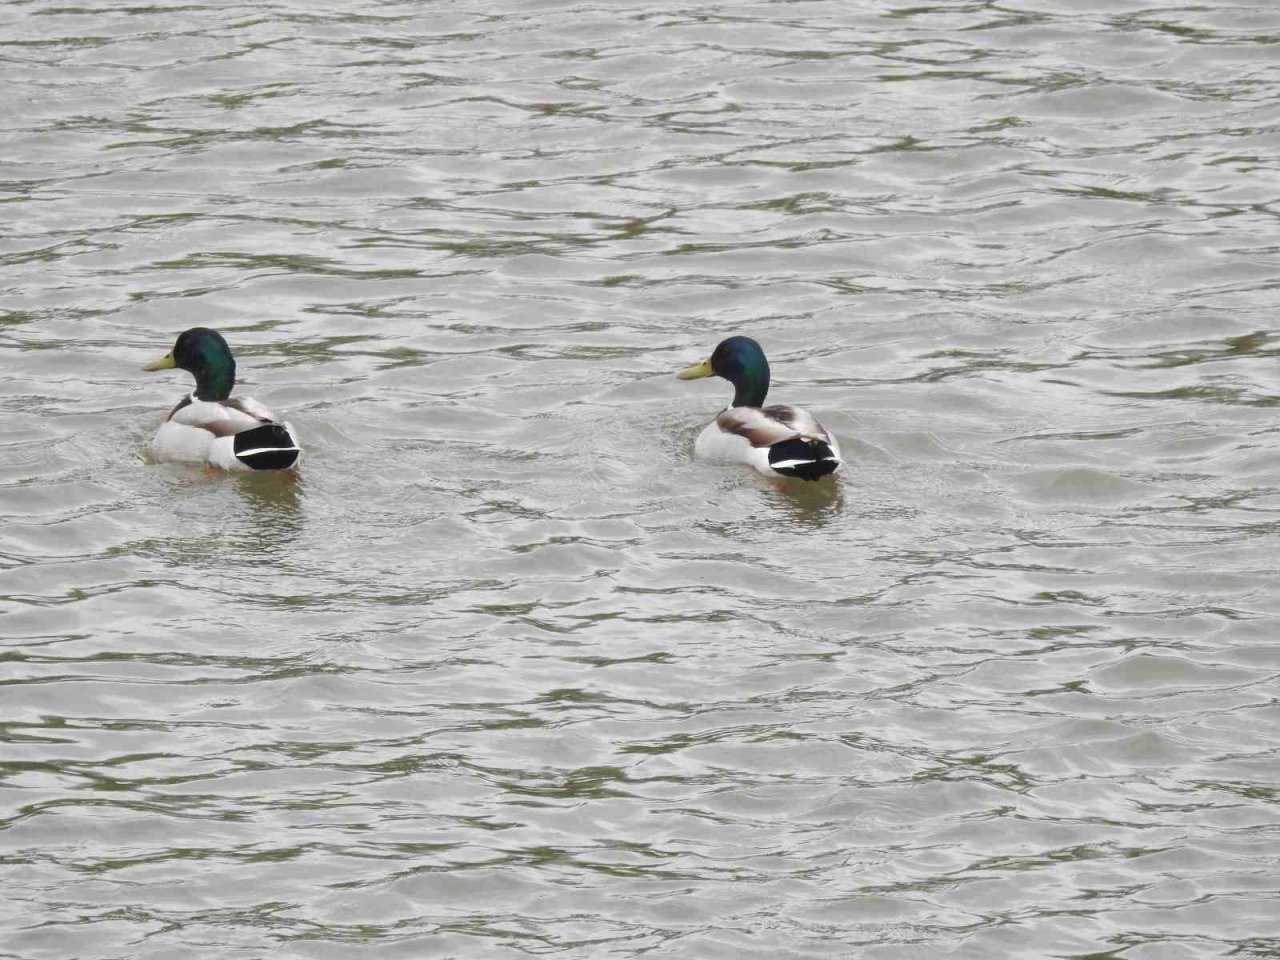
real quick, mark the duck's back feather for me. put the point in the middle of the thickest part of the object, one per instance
(238, 434)
(758, 427)
(779, 441)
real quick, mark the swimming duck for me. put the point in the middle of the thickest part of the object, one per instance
(779, 441)
(207, 426)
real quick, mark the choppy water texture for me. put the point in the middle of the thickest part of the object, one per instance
(505, 671)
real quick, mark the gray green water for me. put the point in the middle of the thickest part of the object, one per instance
(505, 672)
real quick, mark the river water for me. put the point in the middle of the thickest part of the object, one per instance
(504, 671)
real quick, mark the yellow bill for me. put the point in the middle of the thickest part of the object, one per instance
(164, 363)
(697, 371)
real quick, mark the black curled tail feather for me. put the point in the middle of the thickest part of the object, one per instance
(803, 457)
(268, 447)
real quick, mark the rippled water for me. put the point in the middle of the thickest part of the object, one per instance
(505, 671)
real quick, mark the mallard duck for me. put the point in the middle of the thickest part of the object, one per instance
(207, 426)
(779, 441)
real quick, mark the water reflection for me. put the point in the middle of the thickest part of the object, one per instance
(273, 519)
(212, 515)
(806, 505)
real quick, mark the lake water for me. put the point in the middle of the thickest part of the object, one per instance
(504, 671)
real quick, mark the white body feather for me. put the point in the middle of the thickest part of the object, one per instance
(730, 436)
(714, 443)
(203, 431)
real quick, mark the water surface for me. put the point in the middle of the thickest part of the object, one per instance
(504, 671)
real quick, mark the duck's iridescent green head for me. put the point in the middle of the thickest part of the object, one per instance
(740, 361)
(205, 355)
